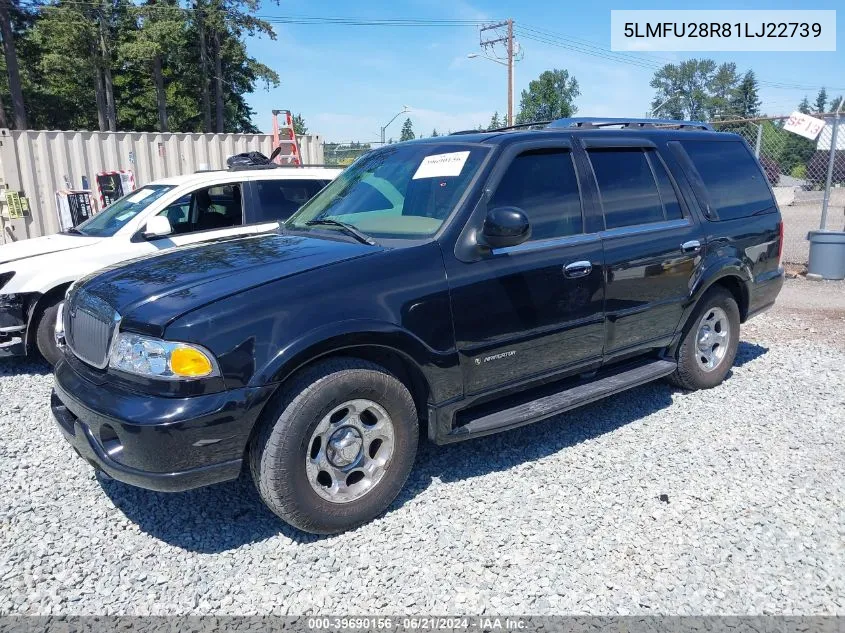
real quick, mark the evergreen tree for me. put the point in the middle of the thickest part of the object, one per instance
(722, 89)
(407, 133)
(745, 102)
(299, 126)
(495, 123)
(821, 101)
(434, 133)
(804, 106)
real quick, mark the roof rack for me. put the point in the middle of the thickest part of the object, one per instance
(589, 122)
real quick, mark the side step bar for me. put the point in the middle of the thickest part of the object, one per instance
(571, 398)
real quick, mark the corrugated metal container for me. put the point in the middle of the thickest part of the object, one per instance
(40, 162)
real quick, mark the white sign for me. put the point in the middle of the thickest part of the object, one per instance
(441, 165)
(804, 125)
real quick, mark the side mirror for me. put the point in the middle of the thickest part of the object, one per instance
(157, 226)
(506, 226)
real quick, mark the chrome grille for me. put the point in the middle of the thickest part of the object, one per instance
(89, 327)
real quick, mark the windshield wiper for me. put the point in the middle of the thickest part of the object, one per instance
(346, 228)
(73, 231)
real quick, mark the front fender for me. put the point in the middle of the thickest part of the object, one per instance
(441, 370)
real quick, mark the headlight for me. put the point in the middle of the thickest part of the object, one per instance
(154, 358)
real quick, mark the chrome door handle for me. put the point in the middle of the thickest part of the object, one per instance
(693, 246)
(577, 269)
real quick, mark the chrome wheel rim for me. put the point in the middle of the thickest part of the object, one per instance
(712, 339)
(350, 451)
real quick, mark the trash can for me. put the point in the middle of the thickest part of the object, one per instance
(827, 254)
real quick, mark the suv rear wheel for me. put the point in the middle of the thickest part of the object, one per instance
(337, 446)
(710, 341)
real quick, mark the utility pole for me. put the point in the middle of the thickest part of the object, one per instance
(507, 40)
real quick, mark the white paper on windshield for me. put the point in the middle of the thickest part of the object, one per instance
(440, 165)
(140, 195)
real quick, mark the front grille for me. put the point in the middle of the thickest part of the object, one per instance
(89, 327)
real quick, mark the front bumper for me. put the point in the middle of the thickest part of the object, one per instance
(159, 443)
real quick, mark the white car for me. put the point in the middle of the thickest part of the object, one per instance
(35, 273)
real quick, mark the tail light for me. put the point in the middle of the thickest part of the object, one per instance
(780, 242)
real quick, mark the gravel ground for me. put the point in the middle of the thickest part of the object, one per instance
(803, 218)
(566, 516)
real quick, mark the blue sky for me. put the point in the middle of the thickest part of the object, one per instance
(347, 81)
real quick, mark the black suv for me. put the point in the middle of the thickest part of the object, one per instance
(464, 285)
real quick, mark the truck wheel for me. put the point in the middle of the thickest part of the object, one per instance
(336, 447)
(711, 337)
(45, 337)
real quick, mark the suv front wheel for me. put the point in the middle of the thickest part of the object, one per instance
(711, 338)
(336, 447)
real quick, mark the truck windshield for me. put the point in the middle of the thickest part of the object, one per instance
(400, 191)
(115, 216)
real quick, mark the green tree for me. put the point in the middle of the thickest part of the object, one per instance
(434, 133)
(407, 133)
(299, 126)
(10, 57)
(722, 89)
(745, 102)
(159, 34)
(821, 101)
(683, 91)
(804, 106)
(834, 105)
(495, 122)
(551, 96)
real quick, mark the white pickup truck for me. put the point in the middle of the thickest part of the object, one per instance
(35, 273)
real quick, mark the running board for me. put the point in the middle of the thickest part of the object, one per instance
(565, 400)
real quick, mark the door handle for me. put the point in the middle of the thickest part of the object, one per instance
(577, 269)
(693, 246)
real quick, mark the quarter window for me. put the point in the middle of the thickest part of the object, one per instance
(629, 193)
(733, 179)
(543, 184)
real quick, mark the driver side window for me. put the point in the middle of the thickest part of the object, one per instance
(543, 184)
(206, 209)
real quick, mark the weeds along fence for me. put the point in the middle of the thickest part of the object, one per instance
(36, 164)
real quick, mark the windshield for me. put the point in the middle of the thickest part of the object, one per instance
(115, 216)
(400, 191)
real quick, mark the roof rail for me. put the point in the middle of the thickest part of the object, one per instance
(590, 122)
(516, 126)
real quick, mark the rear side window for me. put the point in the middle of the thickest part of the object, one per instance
(735, 183)
(667, 191)
(278, 199)
(629, 193)
(543, 184)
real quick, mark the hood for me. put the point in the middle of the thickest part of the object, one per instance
(150, 292)
(43, 245)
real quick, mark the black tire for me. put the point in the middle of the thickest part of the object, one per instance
(690, 374)
(279, 450)
(45, 337)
